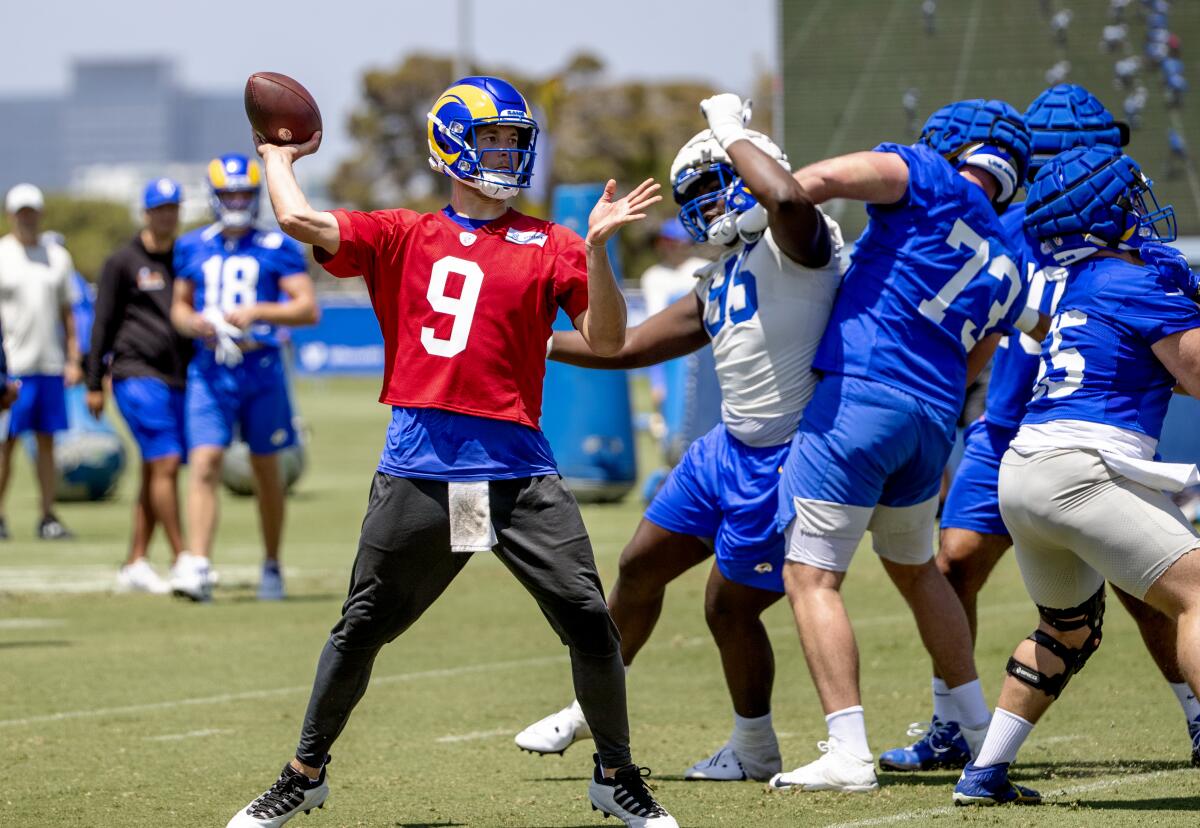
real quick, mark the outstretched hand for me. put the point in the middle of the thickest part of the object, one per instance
(291, 151)
(609, 216)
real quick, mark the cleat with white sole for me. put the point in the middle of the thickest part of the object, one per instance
(627, 797)
(292, 793)
(941, 746)
(837, 770)
(556, 732)
(730, 764)
(192, 577)
(139, 576)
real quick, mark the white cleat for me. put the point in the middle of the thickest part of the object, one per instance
(270, 588)
(837, 770)
(728, 765)
(556, 732)
(191, 577)
(139, 576)
(292, 793)
(627, 797)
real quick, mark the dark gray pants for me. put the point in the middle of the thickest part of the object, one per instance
(404, 563)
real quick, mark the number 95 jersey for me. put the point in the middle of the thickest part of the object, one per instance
(465, 314)
(930, 277)
(232, 273)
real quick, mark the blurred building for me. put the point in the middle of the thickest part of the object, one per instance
(120, 122)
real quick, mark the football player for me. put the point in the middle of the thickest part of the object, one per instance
(973, 536)
(235, 285)
(930, 283)
(1079, 489)
(763, 305)
(466, 297)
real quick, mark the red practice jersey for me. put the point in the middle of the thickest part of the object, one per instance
(465, 314)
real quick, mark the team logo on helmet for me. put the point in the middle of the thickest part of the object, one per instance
(453, 124)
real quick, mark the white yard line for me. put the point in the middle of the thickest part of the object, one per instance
(30, 623)
(191, 734)
(475, 735)
(1113, 782)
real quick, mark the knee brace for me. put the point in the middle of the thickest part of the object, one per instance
(1089, 614)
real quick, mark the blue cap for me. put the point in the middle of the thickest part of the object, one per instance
(162, 191)
(673, 230)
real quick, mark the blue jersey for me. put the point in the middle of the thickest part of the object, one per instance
(1097, 364)
(238, 272)
(931, 276)
(1017, 359)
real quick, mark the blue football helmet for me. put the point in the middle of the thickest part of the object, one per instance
(1066, 116)
(990, 135)
(461, 110)
(704, 182)
(235, 181)
(1094, 198)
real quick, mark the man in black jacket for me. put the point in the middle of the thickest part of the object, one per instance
(149, 371)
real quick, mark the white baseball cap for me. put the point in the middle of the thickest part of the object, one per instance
(24, 195)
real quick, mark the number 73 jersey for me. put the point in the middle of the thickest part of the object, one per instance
(232, 273)
(465, 314)
(930, 277)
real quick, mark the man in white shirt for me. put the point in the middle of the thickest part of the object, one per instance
(36, 295)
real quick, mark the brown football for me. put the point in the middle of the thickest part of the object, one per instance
(281, 110)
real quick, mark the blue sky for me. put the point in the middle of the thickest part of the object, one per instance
(326, 45)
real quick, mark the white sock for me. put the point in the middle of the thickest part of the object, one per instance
(943, 706)
(1005, 735)
(752, 732)
(970, 705)
(849, 728)
(1187, 700)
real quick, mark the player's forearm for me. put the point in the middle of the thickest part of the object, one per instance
(604, 321)
(301, 311)
(186, 320)
(872, 177)
(642, 348)
(71, 341)
(295, 215)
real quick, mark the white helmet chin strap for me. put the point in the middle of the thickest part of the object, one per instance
(496, 185)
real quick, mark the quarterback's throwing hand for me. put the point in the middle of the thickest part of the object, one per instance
(609, 216)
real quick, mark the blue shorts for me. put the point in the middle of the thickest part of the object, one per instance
(154, 413)
(974, 499)
(41, 406)
(863, 443)
(252, 396)
(725, 490)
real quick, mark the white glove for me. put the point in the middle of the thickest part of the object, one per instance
(727, 116)
(227, 351)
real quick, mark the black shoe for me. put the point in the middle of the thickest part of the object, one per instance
(627, 797)
(3, 529)
(292, 793)
(51, 528)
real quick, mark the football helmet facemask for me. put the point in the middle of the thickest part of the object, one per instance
(714, 203)
(235, 181)
(468, 105)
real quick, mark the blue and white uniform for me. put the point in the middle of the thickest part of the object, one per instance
(253, 396)
(1079, 489)
(973, 502)
(765, 315)
(931, 276)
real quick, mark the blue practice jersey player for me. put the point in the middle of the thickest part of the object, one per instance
(932, 280)
(1080, 490)
(235, 285)
(763, 304)
(973, 535)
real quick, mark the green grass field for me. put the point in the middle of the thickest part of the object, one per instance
(145, 711)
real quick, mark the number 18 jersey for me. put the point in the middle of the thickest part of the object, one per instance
(465, 313)
(930, 277)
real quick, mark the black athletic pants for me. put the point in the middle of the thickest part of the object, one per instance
(404, 563)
